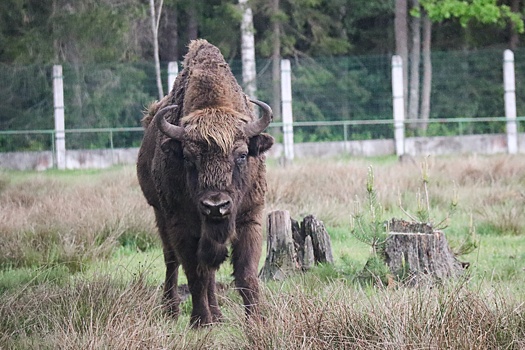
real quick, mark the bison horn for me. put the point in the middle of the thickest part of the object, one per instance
(172, 131)
(258, 126)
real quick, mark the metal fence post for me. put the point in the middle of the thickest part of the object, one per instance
(509, 85)
(345, 136)
(112, 147)
(398, 104)
(286, 100)
(173, 71)
(58, 99)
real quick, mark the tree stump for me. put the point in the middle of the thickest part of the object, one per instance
(281, 259)
(292, 247)
(415, 252)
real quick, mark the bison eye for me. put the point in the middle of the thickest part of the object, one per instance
(241, 158)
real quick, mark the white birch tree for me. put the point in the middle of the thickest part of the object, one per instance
(401, 36)
(249, 73)
(155, 19)
(415, 58)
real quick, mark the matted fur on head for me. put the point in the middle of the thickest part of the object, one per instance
(215, 125)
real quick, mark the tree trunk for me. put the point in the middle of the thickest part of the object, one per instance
(415, 253)
(514, 35)
(169, 36)
(415, 56)
(155, 18)
(248, 50)
(281, 258)
(292, 247)
(321, 243)
(276, 61)
(193, 25)
(401, 34)
(427, 73)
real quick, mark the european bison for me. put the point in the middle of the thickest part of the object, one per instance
(201, 167)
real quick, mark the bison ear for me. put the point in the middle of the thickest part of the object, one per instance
(259, 144)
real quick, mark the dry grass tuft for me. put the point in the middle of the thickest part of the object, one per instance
(449, 317)
(72, 220)
(303, 313)
(489, 187)
(99, 314)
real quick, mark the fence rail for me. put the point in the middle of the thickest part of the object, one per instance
(344, 124)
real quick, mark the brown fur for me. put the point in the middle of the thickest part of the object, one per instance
(208, 124)
(214, 166)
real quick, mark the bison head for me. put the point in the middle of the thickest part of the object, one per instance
(220, 150)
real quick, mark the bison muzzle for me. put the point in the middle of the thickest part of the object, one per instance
(201, 167)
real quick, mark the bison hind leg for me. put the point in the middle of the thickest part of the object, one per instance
(211, 254)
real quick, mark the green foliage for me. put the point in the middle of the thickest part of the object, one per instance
(58, 31)
(106, 95)
(138, 241)
(466, 84)
(307, 27)
(341, 88)
(502, 215)
(423, 212)
(26, 99)
(42, 248)
(374, 273)
(13, 279)
(483, 11)
(369, 226)
(100, 42)
(469, 243)
(219, 23)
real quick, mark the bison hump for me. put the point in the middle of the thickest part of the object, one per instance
(212, 87)
(210, 82)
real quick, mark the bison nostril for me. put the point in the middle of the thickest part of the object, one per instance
(215, 208)
(224, 209)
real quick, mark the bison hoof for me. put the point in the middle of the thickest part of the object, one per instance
(172, 309)
(197, 322)
(217, 316)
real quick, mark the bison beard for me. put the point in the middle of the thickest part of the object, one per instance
(212, 251)
(201, 167)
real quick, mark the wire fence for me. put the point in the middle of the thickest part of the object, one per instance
(125, 137)
(334, 98)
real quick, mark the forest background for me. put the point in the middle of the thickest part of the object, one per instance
(340, 51)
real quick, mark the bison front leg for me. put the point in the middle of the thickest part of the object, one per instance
(212, 299)
(245, 259)
(199, 284)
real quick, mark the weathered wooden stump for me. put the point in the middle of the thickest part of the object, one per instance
(415, 252)
(292, 247)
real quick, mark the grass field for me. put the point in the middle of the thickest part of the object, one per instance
(81, 266)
